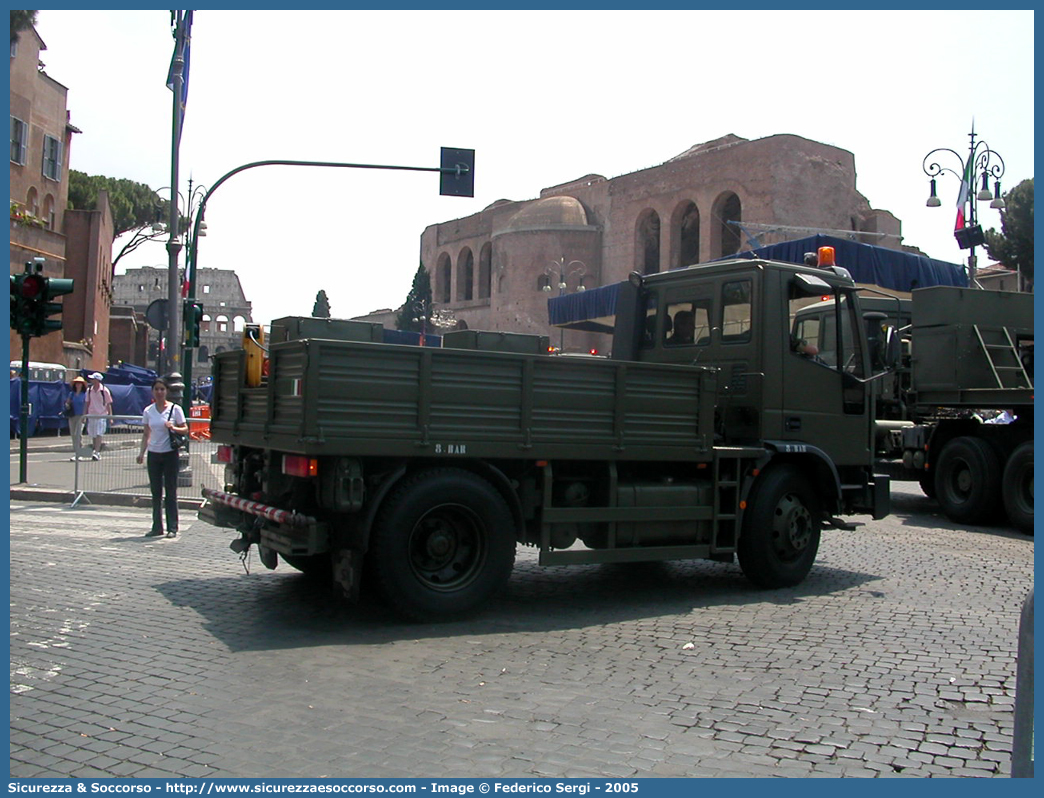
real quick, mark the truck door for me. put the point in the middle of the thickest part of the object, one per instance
(823, 363)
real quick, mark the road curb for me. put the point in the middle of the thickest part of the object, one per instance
(28, 494)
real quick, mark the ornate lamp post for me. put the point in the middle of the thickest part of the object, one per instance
(982, 165)
(561, 268)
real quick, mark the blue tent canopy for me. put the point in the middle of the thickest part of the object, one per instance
(594, 310)
(887, 268)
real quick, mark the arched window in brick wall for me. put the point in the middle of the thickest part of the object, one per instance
(48, 211)
(485, 271)
(465, 276)
(685, 235)
(647, 242)
(727, 208)
(442, 278)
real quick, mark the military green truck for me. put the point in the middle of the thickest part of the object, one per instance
(968, 356)
(419, 470)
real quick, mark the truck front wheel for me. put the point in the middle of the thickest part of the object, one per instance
(1018, 488)
(781, 528)
(967, 480)
(442, 544)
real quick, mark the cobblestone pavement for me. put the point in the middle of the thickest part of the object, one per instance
(896, 657)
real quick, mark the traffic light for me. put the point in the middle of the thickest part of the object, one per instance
(193, 316)
(16, 301)
(31, 301)
(29, 288)
(53, 287)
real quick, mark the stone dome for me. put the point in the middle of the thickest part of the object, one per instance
(548, 212)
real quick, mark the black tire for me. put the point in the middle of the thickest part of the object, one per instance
(313, 565)
(442, 544)
(781, 528)
(967, 480)
(1017, 488)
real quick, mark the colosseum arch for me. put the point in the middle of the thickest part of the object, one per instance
(485, 275)
(442, 278)
(465, 275)
(685, 235)
(725, 237)
(647, 242)
(238, 323)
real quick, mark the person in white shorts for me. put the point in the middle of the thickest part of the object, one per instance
(98, 403)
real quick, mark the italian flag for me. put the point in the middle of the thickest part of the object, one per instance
(965, 193)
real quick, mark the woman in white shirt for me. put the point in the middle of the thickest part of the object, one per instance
(161, 418)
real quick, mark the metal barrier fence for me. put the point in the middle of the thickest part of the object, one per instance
(117, 469)
(1022, 739)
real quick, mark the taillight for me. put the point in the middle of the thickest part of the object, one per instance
(224, 452)
(296, 465)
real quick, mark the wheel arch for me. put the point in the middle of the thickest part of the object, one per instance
(814, 463)
(480, 468)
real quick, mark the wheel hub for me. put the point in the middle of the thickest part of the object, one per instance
(444, 548)
(964, 480)
(793, 525)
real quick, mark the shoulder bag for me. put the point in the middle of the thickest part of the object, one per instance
(177, 440)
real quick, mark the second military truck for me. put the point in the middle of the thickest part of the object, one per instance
(704, 435)
(957, 415)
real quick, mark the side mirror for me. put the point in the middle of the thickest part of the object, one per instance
(892, 348)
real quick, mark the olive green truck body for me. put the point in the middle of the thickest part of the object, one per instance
(431, 464)
(969, 353)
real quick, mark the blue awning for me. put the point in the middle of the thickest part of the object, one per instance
(887, 268)
(594, 309)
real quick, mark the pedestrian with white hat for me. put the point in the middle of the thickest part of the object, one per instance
(99, 403)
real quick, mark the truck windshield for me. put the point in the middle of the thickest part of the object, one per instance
(815, 333)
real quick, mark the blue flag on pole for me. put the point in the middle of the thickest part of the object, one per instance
(182, 23)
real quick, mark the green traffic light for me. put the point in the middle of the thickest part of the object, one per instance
(193, 317)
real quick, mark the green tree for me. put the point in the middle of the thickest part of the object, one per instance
(321, 308)
(1013, 248)
(20, 21)
(415, 313)
(135, 207)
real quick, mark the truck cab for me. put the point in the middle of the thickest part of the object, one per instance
(736, 316)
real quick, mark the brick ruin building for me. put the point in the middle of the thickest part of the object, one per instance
(496, 269)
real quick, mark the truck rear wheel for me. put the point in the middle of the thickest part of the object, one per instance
(781, 529)
(442, 544)
(967, 480)
(1017, 488)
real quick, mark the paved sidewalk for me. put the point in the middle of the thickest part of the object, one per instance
(50, 475)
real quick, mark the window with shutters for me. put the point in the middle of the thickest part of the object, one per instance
(19, 133)
(52, 158)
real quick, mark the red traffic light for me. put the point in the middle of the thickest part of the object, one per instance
(33, 286)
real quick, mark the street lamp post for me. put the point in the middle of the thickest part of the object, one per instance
(181, 233)
(561, 268)
(982, 165)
